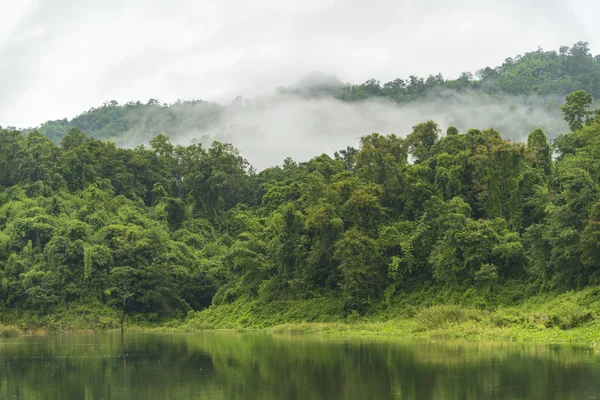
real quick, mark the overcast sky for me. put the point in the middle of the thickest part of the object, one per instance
(61, 57)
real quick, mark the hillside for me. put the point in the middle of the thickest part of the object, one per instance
(158, 232)
(516, 97)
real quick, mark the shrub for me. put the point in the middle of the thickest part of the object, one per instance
(569, 320)
(10, 331)
(504, 319)
(437, 317)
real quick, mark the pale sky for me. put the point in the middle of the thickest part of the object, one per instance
(61, 57)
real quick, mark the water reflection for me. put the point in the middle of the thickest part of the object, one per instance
(255, 366)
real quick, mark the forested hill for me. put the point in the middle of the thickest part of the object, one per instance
(534, 73)
(161, 231)
(516, 97)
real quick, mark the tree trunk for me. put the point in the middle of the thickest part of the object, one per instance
(123, 319)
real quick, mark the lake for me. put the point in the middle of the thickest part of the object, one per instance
(259, 366)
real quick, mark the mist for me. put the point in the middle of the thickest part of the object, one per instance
(267, 130)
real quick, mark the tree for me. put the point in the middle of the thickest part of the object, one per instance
(451, 131)
(590, 245)
(539, 151)
(422, 138)
(576, 109)
(73, 139)
(361, 268)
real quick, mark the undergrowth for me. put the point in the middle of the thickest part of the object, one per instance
(552, 318)
(10, 331)
(430, 312)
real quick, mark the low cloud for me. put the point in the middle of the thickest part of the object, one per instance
(267, 130)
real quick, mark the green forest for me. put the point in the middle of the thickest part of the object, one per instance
(162, 232)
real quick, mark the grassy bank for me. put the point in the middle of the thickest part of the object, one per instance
(572, 317)
(74, 318)
(9, 331)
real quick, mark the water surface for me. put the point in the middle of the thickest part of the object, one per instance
(259, 366)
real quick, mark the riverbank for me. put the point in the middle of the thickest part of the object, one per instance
(475, 331)
(10, 331)
(571, 317)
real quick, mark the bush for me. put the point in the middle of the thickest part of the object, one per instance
(568, 314)
(437, 317)
(504, 319)
(10, 331)
(570, 320)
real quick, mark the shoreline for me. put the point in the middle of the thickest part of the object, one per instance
(552, 318)
(393, 329)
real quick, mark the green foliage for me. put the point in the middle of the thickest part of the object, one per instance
(10, 331)
(156, 233)
(568, 316)
(575, 111)
(534, 73)
(441, 316)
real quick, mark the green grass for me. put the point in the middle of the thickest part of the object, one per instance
(75, 317)
(245, 314)
(571, 317)
(10, 331)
